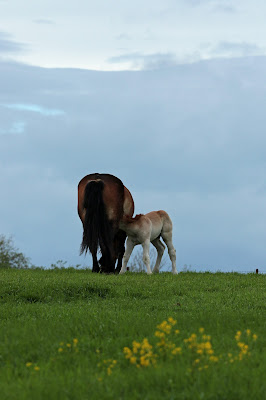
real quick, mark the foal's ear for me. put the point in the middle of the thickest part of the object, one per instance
(138, 216)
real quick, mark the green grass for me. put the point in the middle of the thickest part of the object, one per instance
(39, 309)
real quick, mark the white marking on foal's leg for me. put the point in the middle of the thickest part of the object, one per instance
(160, 250)
(167, 237)
(129, 248)
(146, 255)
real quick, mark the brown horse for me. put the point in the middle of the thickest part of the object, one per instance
(103, 201)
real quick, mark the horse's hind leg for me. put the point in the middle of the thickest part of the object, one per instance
(129, 248)
(160, 250)
(95, 265)
(146, 255)
(167, 237)
(119, 246)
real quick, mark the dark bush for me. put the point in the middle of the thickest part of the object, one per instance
(10, 257)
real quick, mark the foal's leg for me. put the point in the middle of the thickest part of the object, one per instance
(160, 250)
(146, 255)
(167, 237)
(129, 248)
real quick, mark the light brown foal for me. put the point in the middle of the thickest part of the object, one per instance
(146, 229)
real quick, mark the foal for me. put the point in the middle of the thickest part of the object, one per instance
(147, 228)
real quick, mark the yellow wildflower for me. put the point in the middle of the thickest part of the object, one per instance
(172, 321)
(127, 352)
(176, 350)
(60, 350)
(75, 341)
(201, 330)
(28, 364)
(133, 360)
(36, 368)
(255, 337)
(159, 334)
(208, 345)
(68, 345)
(144, 361)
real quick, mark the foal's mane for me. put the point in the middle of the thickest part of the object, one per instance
(132, 219)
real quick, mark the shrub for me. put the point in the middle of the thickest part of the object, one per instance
(10, 257)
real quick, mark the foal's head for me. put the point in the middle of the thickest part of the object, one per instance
(130, 220)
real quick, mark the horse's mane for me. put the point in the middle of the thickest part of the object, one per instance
(132, 219)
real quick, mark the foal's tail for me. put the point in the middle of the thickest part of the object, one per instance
(97, 231)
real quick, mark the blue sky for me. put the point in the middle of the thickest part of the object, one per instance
(170, 99)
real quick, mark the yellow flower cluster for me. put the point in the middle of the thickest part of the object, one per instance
(243, 347)
(141, 354)
(68, 346)
(163, 332)
(201, 355)
(201, 348)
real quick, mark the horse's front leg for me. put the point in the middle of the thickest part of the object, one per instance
(146, 255)
(129, 248)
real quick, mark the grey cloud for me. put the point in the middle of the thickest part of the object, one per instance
(34, 108)
(123, 36)
(189, 139)
(17, 127)
(237, 49)
(7, 45)
(143, 61)
(213, 2)
(225, 9)
(225, 6)
(44, 21)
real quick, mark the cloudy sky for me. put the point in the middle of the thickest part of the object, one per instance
(169, 96)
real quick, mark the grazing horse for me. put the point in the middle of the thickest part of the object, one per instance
(103, 201)
(147, 228)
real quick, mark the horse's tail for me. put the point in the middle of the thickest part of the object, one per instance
(97, 230)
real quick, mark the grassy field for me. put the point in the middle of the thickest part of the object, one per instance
(69, 334)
